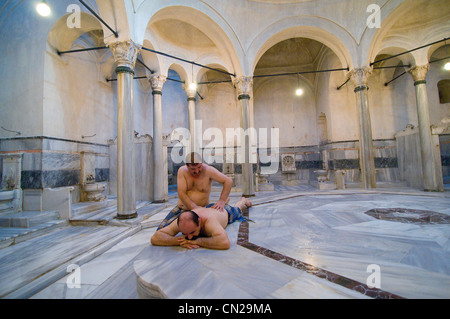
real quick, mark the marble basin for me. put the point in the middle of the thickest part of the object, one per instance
(10, 201)
(94, 191)
(6, 196)
(321, 175)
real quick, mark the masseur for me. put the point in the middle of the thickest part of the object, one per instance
(194, 182)
(201, 227)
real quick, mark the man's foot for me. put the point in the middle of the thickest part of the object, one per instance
(247, 202)
(243, 204)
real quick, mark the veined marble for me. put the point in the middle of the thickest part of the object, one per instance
(323, 242)
(303, 244)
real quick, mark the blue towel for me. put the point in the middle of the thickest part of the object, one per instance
(234, 214)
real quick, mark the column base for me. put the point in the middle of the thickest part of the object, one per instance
(131, 215)
(159, 201)
(247, 196)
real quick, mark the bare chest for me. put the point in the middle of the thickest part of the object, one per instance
(202, 185)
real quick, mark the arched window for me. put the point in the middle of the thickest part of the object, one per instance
(444, 91)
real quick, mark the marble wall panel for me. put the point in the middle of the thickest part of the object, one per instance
(55, 162)
(143, 168)
(102, 174)
(409, 159)
(31, 179)
(20, 144)
(60, 178)
(32, 161)
(60, 161)
(445, 156)
(342, 155)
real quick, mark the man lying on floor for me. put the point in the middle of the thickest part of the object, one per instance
(201, 227)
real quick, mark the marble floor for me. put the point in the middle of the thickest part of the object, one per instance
(303, 243)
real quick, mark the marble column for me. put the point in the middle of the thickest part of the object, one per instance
(431, 166)
(191, 116)
(244, 87)
(359, 78)
(160, 195)
(125, 54)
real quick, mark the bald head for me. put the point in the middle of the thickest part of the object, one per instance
(188, 216)
(189, 224)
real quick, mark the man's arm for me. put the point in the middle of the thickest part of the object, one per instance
(218, 239)
(226, 182)
(182, 190)
(166, 236)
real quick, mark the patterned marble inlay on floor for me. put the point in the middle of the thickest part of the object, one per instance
(413, 216)
(328, 245)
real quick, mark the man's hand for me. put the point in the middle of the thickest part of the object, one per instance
(186, 243)
(220, 205)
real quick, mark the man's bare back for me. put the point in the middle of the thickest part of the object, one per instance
(201, 227)
(212, 216)
(207, 230)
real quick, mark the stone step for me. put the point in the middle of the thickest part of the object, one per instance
(13, 235)
(101, 215)
(88, 207)
(27, 219)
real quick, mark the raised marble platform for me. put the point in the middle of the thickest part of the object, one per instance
(317, 245)
(27, 219)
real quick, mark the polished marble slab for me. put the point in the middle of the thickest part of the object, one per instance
(414, 259)
(109, 276)
(238, 273)
(24, 262)
(326, 240)
(304, 244)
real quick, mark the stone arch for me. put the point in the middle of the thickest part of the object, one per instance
(319, 29)
(207, 75)
(409, 26)
(181, 71)
(151, 59)
(284, 109)
(75, 115)
(198, 16)
(394, 48)
(61, 37)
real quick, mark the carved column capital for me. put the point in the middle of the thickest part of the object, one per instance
(360, 77)
(191, 93)
(419, 73)
(244, 86)
(157, 81)
(125, 54)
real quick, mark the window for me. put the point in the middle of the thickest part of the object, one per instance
(444, 91)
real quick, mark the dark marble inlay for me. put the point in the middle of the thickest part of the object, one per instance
(409, 216)
(445, 160)
(308, 164)
(344, 164)
(61, 178)
(31, 180)
(386, 162)
(102, 174)
(238, 168)
(380, 162)
(348, 283)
